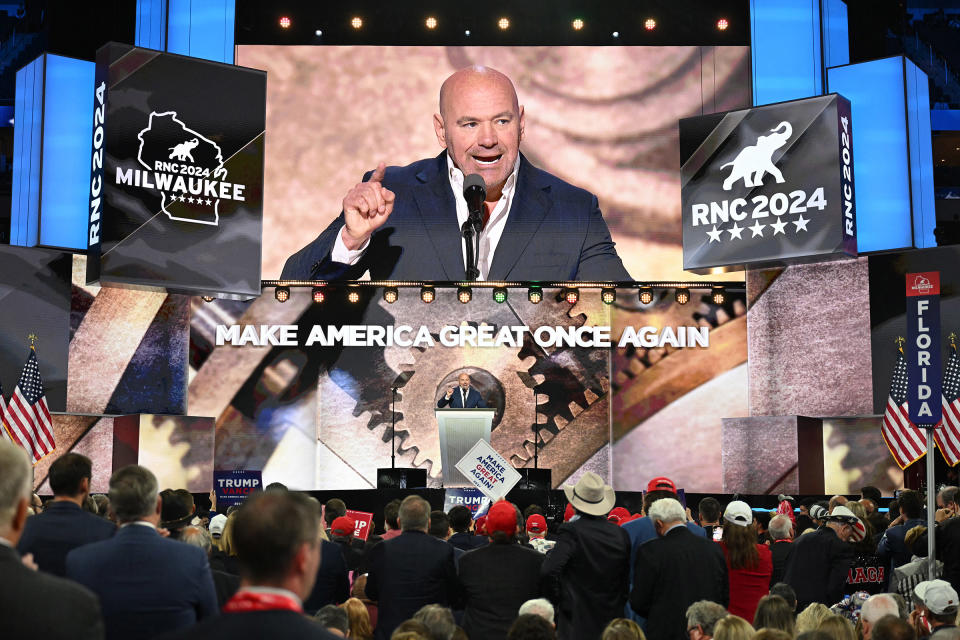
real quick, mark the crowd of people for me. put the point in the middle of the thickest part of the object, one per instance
(145, 563)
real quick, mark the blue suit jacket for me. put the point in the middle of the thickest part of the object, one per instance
(474, 400)
(61, 528)
(554, 231)
(147, 585)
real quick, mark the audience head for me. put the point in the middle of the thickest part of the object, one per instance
(438, 620)
(892, 628)
(813, 635)
(333, 509)
(359, 618)
(176, 512)
(837, 627)
(771, 634)
(411, 630)
(623, 629)
(531, 627)
(502, 522)
(414, 514)
(874, 608)
(70, 476)
(657, 489)
(846, 524)
(536, 526)
(871, 493)
(781, 528)
(702, 618)
(90, 505)
(343, 527)
(710, 511)
(333, 619)
(103, 504)
(217, 524)
(276, 486)
(532, 509)
(809, 619)
(732, 627)
(902, 605)
(277, 541)
(947, 497)
(739, 536)
(911, 504)
(15, 494)
(439, 524)
(773, 612)
(939, 600)
(197, 537)
(390, 513)
(665, 513)
(133, 495)
(590, 496)
(786, 592)
(538, 607)
(460, 518)
(836, 501)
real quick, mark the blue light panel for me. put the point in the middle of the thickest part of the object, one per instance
(876, 91)
(921, 155)
(67, 147)
(151, 24)
(945, 119)
(27, 136)
(787, 62)
(202, 29)
(836, 43)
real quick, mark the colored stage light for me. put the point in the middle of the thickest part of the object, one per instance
(356, 22)
(535, 295)
(353, 297)
(608, 295)
(391, 295)
(650, 24)
(431, 23)
(718, 295)
(464, 294)
(427, 294)
(282, 294)
(503, 23)
(682, 296)
(577, 24)
(499, 294)
(722, 24)
(285, 22)
(572, 295)
(319, 295)
(646, 295)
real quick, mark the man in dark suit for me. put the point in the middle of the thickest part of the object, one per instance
(64, 525)
(818, 565)
(405, 222)
(675, 570)
(892, 546)
(147, 584)
(277, 535)
(587, 572)
(332, 584)
(463, 396)
(35, 604)
(461, 521)
(498, 578)
(410, 571)
(781, 534)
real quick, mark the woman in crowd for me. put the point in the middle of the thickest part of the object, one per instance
(623, 629)
(749, 564)
(733, 627)
(811, 617)
(773, 612)
(837, 627)
(360, 627)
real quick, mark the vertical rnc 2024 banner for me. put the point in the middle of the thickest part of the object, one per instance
(923, 348)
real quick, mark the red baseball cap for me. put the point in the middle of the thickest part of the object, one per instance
(568, 512)
(536, 523)
(480, 525)
(343, 526)
(502, 517)
(662, 484)
(618, 515)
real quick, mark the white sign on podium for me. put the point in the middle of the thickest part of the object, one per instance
(488, 471)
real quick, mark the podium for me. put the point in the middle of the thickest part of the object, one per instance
(459, 431)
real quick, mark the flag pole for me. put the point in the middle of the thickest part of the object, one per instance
(931, 506)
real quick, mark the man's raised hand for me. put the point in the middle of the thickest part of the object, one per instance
(366, 207)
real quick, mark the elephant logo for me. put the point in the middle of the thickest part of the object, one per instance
(182, 151)
(757, 159)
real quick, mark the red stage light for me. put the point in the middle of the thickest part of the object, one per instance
(650, 24)
(285, 22)
(722, 24)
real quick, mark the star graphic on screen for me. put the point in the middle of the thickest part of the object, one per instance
(209, 201)
(735, 231)
(778, 227)
(757, 229)
(190, 199)
(801, 223)
(714, 234)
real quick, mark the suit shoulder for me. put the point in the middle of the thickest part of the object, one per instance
(408, 174)
(54, 588)
(558, 187)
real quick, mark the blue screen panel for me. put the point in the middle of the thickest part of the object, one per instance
(67, 144)
(921, 156)
(202, 29)
(876, 92)
(836, 43)
(27, 134)
(945, 119)
(151, 24)
(785, 50)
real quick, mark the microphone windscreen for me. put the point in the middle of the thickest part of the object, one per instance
(474, 181)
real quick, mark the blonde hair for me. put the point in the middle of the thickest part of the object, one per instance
(810, 618)
(359, 617)
(225, 543)
(837, 627)
(623, 629)
(733, 627)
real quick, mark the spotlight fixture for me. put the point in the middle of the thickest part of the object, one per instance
(353, 296)
(282, 294)
(718, 295)
(464, 294)
(571, 295)
(427, 294)
(682, 295)
(722, 24)
(318, 32)
(467, 33)
(431, 23)
(650, 24)
(503, 23)
(319, 295)
(208, 298)
(645, 295)
(577, 24)
(608, 295)
(391, 295)
(499, 295)
(535, 295)
(356, 22)
(285, 22)
(615, 34)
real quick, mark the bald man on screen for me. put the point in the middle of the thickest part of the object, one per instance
(403, 223)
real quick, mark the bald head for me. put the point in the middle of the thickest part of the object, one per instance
(471, 79)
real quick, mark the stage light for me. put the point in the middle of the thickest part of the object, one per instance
(645, 295)
(391, 295)
(718, 295)
(318, 32)
(571, 295)
(535, 295)
(615, 34)
(356, 22)
(282, 294)
(722, 24)
(285, 22)
(464, 294)
(208, 298)
(577, 24)
(682, 296)
(353, 297)
(499, 294)
(608, 295)
(431, 23)
(319, 295)
(467, 33)
(503, 23)
(427, 294)
(650, 24)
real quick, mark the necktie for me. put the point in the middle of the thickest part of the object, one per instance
(463, 395)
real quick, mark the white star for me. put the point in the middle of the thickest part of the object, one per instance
(209, 201)
(714, 234)
(757, 229)
(182, 199)
(735, 231)
(801, 223)
(778, 227)
(190, 199)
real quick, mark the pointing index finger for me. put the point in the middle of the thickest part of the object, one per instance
(379, 172)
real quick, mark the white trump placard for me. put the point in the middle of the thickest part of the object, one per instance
(488, 471)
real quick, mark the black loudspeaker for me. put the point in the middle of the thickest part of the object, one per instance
(401, 478)
(534, 480)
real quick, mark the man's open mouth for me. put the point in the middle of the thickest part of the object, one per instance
(488, 159)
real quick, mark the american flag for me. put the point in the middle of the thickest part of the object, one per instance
(947, 433)
(4, 420)
(28, 415)
(907, 443)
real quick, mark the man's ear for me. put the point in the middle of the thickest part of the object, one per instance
(85, 485)
(159, 505)
(20, 517)
(522, 123)
(440, 130)
(300, 559)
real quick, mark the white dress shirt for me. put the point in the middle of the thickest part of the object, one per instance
(489, 237)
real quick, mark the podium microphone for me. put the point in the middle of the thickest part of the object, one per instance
(474, 192)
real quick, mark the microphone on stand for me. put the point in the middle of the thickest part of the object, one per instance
(474, 192)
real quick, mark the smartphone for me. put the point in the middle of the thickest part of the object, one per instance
(717, 534)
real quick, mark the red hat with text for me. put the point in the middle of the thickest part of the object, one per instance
(343, 526)
(536, 523)
(502, 516)
(662, 484)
